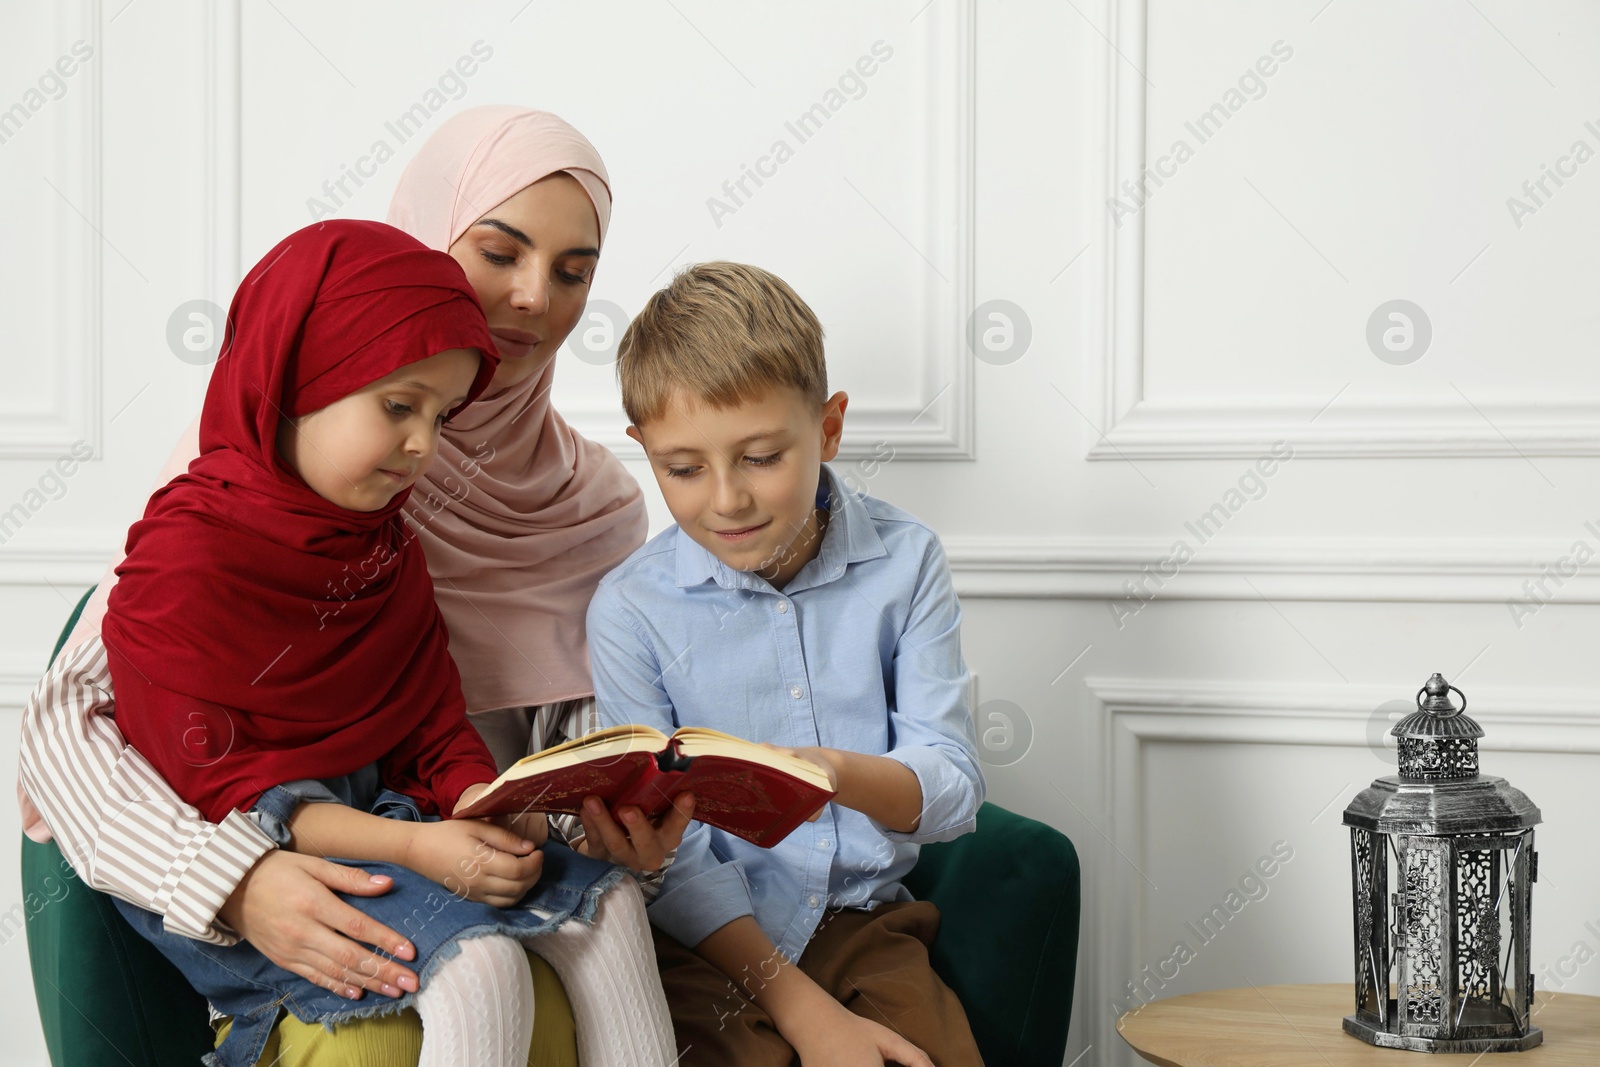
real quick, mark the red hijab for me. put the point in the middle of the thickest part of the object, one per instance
(258, 633)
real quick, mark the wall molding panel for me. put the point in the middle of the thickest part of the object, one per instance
(939, 425)
(1398, 570)
(1352, 426)
(1516, 719)
(1137, 426)
(19, 676)
(220, 161)
(1412, 570)
(66, 558)
(77, 221)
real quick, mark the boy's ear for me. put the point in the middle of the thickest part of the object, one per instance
(833, 424)
(633, 432)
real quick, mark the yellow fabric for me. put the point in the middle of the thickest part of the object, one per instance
(555, 1036)
(386, 1041)
(392, 1040)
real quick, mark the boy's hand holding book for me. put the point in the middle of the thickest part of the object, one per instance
(631, 838)
(818, 757)
(881, 788)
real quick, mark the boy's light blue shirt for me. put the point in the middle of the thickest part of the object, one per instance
(861, 651)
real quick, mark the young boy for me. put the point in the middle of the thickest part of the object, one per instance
(786, 609)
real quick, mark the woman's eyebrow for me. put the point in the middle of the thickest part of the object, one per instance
(523, 239)
(510, 231)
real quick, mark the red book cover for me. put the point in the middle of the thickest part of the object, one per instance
(748, 790)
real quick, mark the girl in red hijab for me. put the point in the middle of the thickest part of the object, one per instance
(274, 641)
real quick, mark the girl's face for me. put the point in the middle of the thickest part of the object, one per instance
(362, 449)
(531, 259)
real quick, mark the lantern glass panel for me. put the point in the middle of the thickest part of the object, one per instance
(1519, 973)
(1370, 862)
(1482, 911)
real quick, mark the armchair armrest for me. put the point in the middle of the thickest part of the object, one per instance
(1009, 896)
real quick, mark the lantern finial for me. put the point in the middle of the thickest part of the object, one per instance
(1438, 701)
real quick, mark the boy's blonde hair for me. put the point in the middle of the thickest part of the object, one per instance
(724, 333)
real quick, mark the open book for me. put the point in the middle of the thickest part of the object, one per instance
(741, 787)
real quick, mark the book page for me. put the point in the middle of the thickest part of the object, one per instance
(601, 745)
(704, 741)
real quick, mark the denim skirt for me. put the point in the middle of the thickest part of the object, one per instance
(242, 983)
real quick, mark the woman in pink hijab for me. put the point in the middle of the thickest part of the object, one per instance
(519, 518)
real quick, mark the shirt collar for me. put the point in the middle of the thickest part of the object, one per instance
(851, 537)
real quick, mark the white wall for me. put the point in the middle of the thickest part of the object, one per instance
(1173, 343)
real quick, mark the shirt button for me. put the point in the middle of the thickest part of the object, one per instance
(812, 900)
(822, 844)
(796, 692)
(783, 607)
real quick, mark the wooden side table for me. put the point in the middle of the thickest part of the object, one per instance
(1279, 1025)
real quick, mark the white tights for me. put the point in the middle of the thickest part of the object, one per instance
(477, 1007)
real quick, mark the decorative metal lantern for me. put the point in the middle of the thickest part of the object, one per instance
(1442, 959)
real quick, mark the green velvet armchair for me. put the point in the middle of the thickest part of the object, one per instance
(1007, 945)
(1008, 896)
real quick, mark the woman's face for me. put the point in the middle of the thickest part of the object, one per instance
(531, 259)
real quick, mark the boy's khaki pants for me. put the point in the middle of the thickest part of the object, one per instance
(875, 963)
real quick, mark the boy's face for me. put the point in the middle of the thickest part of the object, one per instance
(742, 480)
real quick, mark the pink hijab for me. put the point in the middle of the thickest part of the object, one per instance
(520, 516)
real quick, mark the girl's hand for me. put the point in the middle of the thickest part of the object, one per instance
(475, 859)
(530, 825)
(848, 1040)
(469, 795)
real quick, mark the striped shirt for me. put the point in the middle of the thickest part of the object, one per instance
(128, 833)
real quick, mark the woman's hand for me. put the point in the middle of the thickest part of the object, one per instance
(475, 859)
(285, 906)
(636, 843)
